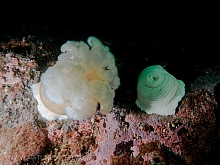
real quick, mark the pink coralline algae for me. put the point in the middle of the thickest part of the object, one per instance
(123, 136)
(54, 133)
(20, 135)
(15, 73)
(9, 77)
(20, 143)
(189, 133)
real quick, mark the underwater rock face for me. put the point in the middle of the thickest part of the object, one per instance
(126, 135)
(158, 91)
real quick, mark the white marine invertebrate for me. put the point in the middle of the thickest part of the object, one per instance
(158, 91)
(83, 76)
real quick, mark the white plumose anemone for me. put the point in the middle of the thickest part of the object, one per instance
(83, 76)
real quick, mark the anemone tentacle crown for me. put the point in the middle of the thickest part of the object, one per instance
(158, 91)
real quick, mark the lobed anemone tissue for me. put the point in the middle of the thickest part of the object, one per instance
(158, 91)
(83, 76)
